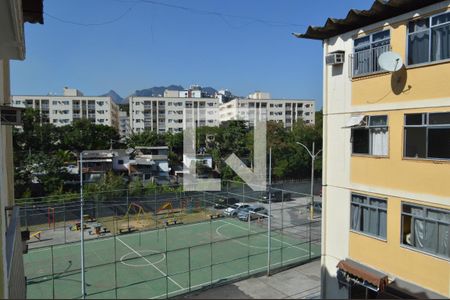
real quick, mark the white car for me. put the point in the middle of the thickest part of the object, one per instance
(234, 209)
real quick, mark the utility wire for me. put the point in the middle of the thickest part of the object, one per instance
(222, 16)
(126, 12)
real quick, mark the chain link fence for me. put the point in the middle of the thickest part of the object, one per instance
(155, 244)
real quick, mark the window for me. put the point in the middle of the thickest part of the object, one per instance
(367, 49)
(429, 39)
(426, 229)
(120, 162)
(368, 215)
(427, 135)
(372, 137)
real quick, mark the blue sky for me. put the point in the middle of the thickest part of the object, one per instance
(151, 45)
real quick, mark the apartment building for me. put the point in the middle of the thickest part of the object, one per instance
(386, 160)
(170, 114)
(279, 110)
(124, 124)
(61, 110)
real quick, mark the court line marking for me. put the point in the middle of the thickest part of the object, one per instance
(233, 239)
(148, 251)
(164, 274)
(227, 277)
(275, 239)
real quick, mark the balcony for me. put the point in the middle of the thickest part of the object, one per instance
(365, 62)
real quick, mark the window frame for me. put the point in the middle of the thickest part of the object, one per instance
(369, 44)
(369, 206)
(429, 30)
(366, 125)
(425, 124)
(425, 218)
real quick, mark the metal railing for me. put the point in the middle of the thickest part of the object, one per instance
(366, 62)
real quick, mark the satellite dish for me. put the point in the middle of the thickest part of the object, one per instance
(390, 61)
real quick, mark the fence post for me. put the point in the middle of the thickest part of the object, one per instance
(167, 267)
(128, 215)
(210, 251)
(53, 273)
(248, 248)
(64, 213)
(282, 229)
(115, 265)
(189, 268)
(310, 240)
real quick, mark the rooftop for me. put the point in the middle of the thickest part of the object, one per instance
(380, 10)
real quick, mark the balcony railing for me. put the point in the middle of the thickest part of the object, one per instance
(366, 62)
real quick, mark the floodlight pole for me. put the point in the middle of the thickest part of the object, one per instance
(270, 213)
(83, 283)
(313, 158)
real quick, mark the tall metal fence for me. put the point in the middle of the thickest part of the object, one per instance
(155, 244)
(14, 261)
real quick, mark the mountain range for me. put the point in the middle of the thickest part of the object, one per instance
(156, 91)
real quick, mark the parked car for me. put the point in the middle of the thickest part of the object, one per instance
(234, 209)
(252, 212)
(225, 202)
(277, 196)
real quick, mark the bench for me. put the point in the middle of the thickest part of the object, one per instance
(172, 222)
(127, 229)
(216, 216)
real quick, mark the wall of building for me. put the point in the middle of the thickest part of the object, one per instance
(63, 110)
(425, 89)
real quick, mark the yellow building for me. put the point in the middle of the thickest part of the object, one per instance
(386, 178)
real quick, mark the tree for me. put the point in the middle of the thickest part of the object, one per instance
(147, 138)
(41, 168)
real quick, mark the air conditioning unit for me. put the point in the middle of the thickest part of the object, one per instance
(10, 115)
(335, 58)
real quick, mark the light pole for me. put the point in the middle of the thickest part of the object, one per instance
(313, 158)
(83, 283)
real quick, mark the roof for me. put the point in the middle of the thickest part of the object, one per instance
(33, 11)
(380, 10)
(363, 272)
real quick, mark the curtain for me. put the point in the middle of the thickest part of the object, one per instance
(441, 231)
(440, 43)
(379, 141)
(373, 222)
(365, 219)
(418, 228)
(383, 223)
(418, 44)
(356, 217)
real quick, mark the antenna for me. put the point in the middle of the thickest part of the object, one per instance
(390, 61)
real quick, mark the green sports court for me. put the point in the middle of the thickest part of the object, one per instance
(166, 262)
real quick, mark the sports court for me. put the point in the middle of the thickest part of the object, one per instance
(164, 262)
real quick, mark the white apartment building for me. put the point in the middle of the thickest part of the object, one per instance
(279, 110)
(61, 110)
(124, 124)
(170, 114)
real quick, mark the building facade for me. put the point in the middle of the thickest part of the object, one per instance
(170, 114)
(278, 110)
(124, 124)
(386, 160)
(63, 109)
